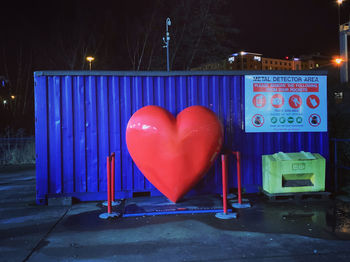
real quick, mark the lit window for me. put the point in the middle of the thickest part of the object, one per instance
(338, 95)
(257, 58)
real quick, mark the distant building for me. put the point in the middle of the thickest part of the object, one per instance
(254, 61)
(245, 61)
(277, 64)
(320, 60)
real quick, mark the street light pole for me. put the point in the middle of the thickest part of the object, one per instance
(339, 4)
(166, 41)
(90, 59)
(343, 31)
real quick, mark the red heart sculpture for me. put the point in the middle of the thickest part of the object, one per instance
(174, 153)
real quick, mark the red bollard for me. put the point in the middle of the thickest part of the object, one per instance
(110, 188)
(239, 203)
(113, 177)
(224, 182)
(225, 214)
(109, 195)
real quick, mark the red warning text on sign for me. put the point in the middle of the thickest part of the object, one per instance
(285, 87)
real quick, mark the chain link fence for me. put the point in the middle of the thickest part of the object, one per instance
(17, 150)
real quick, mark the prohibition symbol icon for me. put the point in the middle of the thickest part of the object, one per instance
(314, 120)
(313, 101)
(259, 101)
(258, 120)
(277, 100)
(295, 101)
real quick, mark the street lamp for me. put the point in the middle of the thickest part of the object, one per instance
(242, 53)
(339, 2)
(338, 61)
(166, 41)
(90, 59)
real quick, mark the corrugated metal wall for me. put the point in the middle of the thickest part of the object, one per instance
(81, 118)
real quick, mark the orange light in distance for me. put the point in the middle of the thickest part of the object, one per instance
(338, 61)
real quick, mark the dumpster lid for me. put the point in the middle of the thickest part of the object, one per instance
(294, 156)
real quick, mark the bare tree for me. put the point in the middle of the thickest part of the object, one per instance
(20, 85)
(72, 42)
(203, 15)
(139, 40)
(202, 32)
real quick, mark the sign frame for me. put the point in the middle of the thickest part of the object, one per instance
(287, 103)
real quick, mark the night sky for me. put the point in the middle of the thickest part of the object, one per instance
(127, 35)
(271, 27)
(290, 27)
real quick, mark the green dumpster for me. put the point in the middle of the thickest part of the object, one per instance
(293, 172)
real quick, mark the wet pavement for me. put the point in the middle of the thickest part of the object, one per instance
(311, 230)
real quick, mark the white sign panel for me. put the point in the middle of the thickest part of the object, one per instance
(285, 103)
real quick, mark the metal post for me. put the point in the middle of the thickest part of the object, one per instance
(167, 56)
(110, 189)
(338, 15)
(112, 181)
(239, 204)
(166, 41)
(109, 185)
(343, 44)
(113, 177)
(90, 59)
(225, 214)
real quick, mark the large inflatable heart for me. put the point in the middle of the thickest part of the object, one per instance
(174, 153)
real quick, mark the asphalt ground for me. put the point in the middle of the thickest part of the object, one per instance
(312, 230)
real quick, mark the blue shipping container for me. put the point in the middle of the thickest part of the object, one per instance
(81, 117)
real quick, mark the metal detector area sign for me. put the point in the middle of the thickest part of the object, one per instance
(285, 103)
